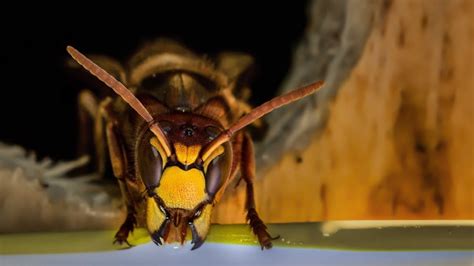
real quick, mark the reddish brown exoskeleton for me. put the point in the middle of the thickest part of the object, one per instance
(176, 133)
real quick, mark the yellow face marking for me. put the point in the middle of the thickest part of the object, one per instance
(154, 217)
(154, 141)
(203, 222)
(182, 189)
(187, 154)
(214, 154)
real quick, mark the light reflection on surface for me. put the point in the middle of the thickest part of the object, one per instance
(220, 254)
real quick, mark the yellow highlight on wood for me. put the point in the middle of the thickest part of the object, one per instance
(182, 189)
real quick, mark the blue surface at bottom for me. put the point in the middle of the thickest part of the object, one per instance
(220, 254)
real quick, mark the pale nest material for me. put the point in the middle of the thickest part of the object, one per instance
(37, 195)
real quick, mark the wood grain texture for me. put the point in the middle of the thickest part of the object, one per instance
(399, 139)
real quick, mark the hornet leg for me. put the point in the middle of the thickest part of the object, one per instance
(248, 174)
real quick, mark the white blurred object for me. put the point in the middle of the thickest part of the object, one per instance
(39, 196)
(329, 228)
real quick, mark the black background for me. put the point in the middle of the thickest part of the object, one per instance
(38, 98)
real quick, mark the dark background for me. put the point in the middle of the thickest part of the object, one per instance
(38, 97)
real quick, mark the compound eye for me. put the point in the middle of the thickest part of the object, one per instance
(166, 126)
(213, 176)
(217, 168)
(150, 165)
(212, 132)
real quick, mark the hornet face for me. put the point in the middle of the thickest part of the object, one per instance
(182, 156)
(181, 187)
